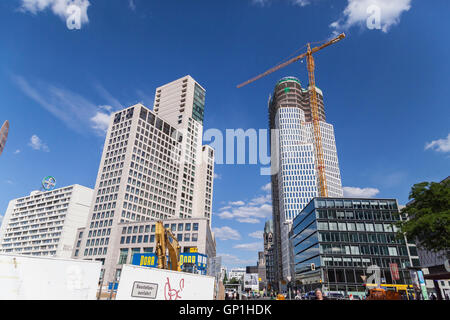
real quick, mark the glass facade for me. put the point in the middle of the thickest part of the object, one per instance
(198, 109)
(334, 242)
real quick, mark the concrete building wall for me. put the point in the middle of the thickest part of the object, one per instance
(45, 223)
(151, 169)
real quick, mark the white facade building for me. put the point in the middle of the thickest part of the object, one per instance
(295, 179)
(45, 223)
(153, 167)
(236, 273)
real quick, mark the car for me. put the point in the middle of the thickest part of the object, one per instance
(310, 295)
(335, 296)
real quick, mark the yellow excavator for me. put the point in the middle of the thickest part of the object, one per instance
(165, 240)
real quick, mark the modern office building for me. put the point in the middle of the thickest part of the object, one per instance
(45, 223)
(4, 135)
(294, 171)
(336, 240)
(236, 273)
(153, 167)
(139, 237)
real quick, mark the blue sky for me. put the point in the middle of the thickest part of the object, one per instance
(385, 89)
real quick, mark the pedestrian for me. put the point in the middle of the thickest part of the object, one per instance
(432, 296)
(319, 294)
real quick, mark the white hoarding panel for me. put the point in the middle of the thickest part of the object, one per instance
(35, 278)
(141, 283)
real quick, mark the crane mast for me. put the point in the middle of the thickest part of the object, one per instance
(322, 187)
(321, 177)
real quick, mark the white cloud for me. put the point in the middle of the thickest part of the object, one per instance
(77, 113)
(101, 121)
(17, 151)
(261, 200)
(358, 12)
(226, 233)
(253, 246)
(267, 187)
(261, 2)
(229, 259)
(257, 234)
(61, 8)
(353, 192)
(441, 145)
(248, 213)
(217, 176)
(264, 3)
(252, 211)
(301, 3)
(132, 5)
(383, 14)
(37, 144)
(1, 220)
(248, 220)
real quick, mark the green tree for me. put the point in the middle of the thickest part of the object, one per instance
(428, 216)
(233, 281)
(225, 278)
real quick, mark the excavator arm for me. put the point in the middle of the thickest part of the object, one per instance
(163, 243)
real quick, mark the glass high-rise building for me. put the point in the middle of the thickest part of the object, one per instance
(339, 243)
(294, 168)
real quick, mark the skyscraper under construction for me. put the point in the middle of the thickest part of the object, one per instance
(294, 167)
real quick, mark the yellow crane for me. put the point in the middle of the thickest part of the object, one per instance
(323, 190)
(165, 240)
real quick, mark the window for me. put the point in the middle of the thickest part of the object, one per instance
(369, 227)
(333, 226)
(342, 226)
(187, 237)
(194, 228)
(194, 237)
(393, 251)
(134, 251)
(123, 256)
(322, 226)
(354, 250)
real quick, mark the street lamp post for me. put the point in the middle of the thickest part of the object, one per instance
(288, 278)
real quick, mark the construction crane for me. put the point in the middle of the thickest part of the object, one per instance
(165, 240)
(323, 190)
